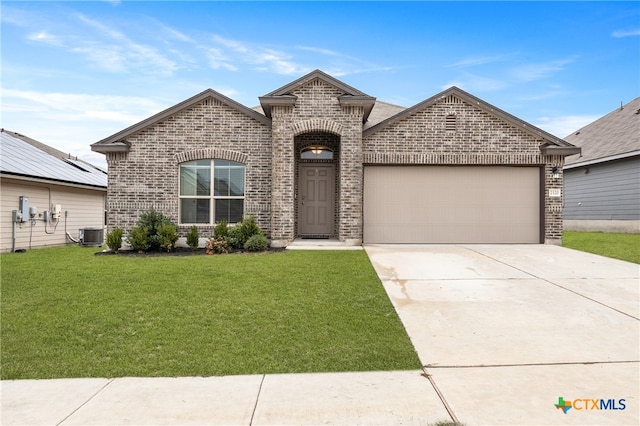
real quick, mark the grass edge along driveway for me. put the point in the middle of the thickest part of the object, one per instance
(68, 313)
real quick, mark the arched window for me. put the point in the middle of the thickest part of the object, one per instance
(318, 152)
(202, 202)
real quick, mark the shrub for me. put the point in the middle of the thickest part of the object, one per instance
(114, 239)
(217, 246)
(234, 237)
(152, 219)
(139, 238)
(221, 230)
(257, 242)
(249, 228)
(193, 238)
(167, 236)
(241, 232)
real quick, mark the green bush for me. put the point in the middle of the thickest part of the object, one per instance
(234, 238)
(152, 220)
(139, 238)
(249, 228)
(114, 239)
(193, 238)
(241, 232)
(221, 230)
(167, 236)
(257, 242)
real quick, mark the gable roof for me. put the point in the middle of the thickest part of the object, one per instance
(613, 136)
(552, 144)
(23, 157)
(283, 96)
(117, 142)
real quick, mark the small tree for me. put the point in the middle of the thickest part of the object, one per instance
(221, 230)
(152, 220)
(139, 238)
(167, 236)
(193, 238)
(114, 239)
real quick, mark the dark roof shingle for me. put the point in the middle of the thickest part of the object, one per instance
(615, 134)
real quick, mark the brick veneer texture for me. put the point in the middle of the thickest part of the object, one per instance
(147, 176)
(449, 132)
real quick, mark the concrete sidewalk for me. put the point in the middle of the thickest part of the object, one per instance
(504, 331)
(397, 397)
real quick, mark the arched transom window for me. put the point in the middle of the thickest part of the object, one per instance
(211, 191)
(318, 152)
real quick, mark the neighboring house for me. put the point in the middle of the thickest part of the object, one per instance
(602, 186)
(324, 160)
(47, 196)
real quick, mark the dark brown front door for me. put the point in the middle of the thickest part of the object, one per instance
(315, 200)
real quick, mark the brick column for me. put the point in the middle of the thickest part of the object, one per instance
(282, 178)
(351, 182)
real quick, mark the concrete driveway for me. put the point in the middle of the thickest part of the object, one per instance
(504, 331)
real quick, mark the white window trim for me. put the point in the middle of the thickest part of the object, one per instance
(211, 197)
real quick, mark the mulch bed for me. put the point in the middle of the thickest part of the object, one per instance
(178, 251)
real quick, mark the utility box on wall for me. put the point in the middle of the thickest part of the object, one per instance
(23, 207)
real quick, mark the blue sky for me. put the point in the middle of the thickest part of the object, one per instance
(76, 72)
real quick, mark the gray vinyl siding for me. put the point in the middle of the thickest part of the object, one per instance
(609, 191)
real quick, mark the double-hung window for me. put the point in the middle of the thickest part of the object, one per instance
(211, 191)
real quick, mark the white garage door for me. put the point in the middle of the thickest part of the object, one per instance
(438, 204)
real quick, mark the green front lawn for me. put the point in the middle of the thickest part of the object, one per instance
(618, 246)
(68, 313)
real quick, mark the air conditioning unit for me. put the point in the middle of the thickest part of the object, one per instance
(91, 236)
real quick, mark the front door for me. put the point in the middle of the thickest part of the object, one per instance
(316, 200)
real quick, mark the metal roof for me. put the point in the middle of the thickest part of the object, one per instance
(615, 135)
(21, 156)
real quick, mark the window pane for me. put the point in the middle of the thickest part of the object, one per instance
(193, 210)
(221, 181)
(204, 181)
(229, 179)
(187, 181)
(236, 177)
(229, 210)
(195, 178)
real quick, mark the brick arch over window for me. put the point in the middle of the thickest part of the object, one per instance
(208, 153)
(317, 125)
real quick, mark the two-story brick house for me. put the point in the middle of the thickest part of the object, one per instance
(320, 159)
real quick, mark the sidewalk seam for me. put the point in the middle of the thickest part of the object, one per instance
(255, 407)
(554, 284)
(86, 402)
(426, 374)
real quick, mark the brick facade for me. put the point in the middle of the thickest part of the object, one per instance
(452, 129)
(147, 176)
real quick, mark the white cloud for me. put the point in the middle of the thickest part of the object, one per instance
(477, 83)
(70, 122)
(626, 33)
(563, 126)
(44, 37)
(532, 72)
(478, 60)
(227, 53)
(77, 107)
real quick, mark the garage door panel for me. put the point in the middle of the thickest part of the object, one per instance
(467, 204)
